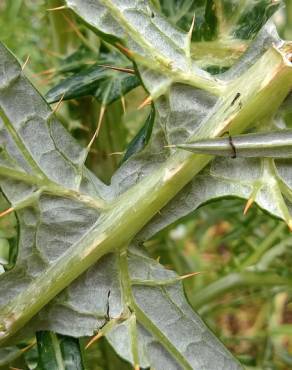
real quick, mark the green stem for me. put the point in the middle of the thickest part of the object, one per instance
(237, 280)
(273, 253)
(263, 247)
(270, 77)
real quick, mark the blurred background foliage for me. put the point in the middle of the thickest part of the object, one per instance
(250, 312)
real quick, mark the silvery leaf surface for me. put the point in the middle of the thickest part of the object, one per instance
(159, 329)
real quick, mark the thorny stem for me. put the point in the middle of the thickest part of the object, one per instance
(270, 76)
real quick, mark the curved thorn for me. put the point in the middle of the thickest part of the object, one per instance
(6, 212)
(94, 339)
(57, 8)
(125, 50)
(25, 63)
(123, 101)
(186, 276)
(56, 108)
(116, 153)
(101, 115)
(119, 69)
(249, 203)
(147, 101)
(192, 26)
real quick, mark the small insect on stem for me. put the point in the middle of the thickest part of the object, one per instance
(237, 96)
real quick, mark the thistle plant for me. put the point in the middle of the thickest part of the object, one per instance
(81, 269)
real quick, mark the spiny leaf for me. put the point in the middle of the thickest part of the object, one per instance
(104, 84)
(222, 28)
(63, 232)
(221, 19)
(53, 223)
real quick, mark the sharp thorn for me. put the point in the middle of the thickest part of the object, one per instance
(119, 69)
(290, 224)
(25, 63)
(6, 212)
(116, 153)
(147, 101)
(189, 275)
(28, 347)
(170, 146)
(123, 101)
(57, 8)
(249, 203)
(56, 108)
(192, 26)
(94, 339)
(125, 50)
(101, 115)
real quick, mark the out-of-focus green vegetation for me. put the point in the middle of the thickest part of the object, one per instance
(243, 307)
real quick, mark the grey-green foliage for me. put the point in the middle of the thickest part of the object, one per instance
(229, 24)
(220, 19)
(43, 175)
(105, 84)
(51, 224)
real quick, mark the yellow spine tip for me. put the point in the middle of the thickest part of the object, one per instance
(290, 224)
(147, 101)
(249, 203)
(189, 275)
(57, 8)
(94, 339)
(6, 212)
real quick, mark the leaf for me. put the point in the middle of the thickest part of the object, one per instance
(222, 28)
(140, 308)
(164, 320)
(142, 137)
(58, 352)
(56, 221)
(220, 19)
(104, 84)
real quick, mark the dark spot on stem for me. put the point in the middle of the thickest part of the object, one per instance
(237, 96)
(232, 146)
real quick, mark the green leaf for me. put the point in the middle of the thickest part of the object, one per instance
(69, 220)
(56, 220)
(104, 84)
(58, 352)
(142, 138)
(222, 28)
